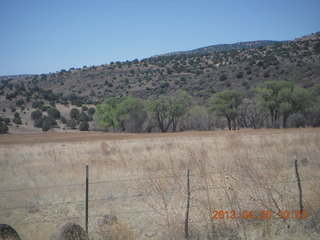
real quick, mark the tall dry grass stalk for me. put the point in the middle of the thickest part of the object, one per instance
(250, 170)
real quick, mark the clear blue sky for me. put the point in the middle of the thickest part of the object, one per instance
(42, 36)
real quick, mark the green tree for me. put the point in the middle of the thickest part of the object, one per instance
(106, 114)
(226, 104)
(168, 110)
(271, 95)
(282, 99)
(180, 104)
(125, 114)
(131, 114)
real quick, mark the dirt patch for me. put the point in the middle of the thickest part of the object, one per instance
(37, 138)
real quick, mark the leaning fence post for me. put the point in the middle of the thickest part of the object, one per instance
(186, 227)
(299, 185)
(87, 198)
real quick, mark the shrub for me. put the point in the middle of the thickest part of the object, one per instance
(223, 77)
(91, 111)
(17, 120)
(38, 123)
(53, 112)
(260, 64)
(43, 108)
(84, 126)
(6, 121)
(13, 109)
(71, 123)
(46, 125)
(84, 108)
(37, 104)
(164, 85)
(74, 113)
(20, 102)
(296, 120)
(239, 75)
(83, 117)
(36, 114)
(63, 119)
(3, 128)
(77, 102)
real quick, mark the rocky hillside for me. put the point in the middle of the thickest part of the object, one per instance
(201, 75)
(224, 48)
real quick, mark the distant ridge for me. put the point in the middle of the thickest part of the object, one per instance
(224, 47)
(15, 77)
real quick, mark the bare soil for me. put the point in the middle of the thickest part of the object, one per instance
(58, 137)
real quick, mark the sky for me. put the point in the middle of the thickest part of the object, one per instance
(42, 36)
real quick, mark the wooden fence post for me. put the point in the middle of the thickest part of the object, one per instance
(299, 185)
(87, 198)
(186, 226)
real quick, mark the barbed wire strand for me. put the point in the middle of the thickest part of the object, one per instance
(138, 195)
(146, 178)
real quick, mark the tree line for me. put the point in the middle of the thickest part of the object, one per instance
(276, 104)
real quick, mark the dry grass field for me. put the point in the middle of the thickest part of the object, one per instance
(140, 179)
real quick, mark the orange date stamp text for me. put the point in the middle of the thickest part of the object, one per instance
(263, 214)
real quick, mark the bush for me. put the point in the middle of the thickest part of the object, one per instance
(91, 111)
(164, 85)
(6, 121)
(77, 102)
(13, 109)
(296, 120)
(54, 113)
(38, 123)
(84, 108)
(36, 114)
(37, 104)
(74, 113)
(223, 77)
(71, 123)
(44, 108)
(83, 117)
(3, 128)
(46, 125)
(48, 122)
(266, 74)
(20, 102)
(63, 119)
(17, 120)
(84, 126)
(239, 75)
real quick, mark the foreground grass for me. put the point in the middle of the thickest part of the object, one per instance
(243, 170)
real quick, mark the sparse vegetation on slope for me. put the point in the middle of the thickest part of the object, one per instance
(201, 75)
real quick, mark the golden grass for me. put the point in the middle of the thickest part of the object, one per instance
(242, 170)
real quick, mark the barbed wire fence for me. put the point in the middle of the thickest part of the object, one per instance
(138, 196)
